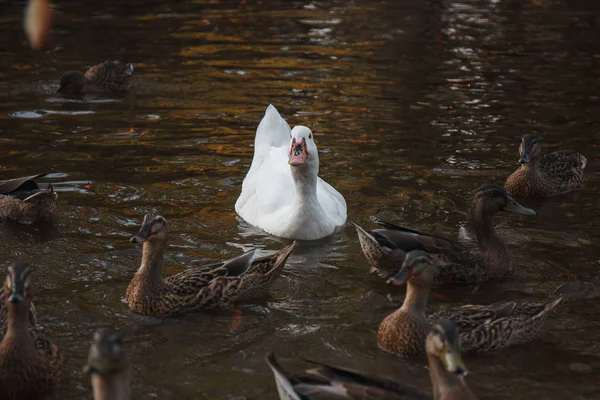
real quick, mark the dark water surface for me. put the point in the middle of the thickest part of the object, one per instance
(415, 104)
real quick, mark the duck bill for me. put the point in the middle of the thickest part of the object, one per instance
(89, 369)
(515, 207)
(525, 158)
(15, 298)
(142, 235)
(400, 278)
(298, 153)
(453, 361)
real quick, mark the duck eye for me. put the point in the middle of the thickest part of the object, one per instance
(310, 135)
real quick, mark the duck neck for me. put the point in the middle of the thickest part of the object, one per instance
(531, 167)
(443, 381)
(17, 327)
(112, 386)
(483, 224)
(150, 270)
(416, 300)
(305, 181)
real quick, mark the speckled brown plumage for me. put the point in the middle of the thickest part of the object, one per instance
(215, 285)
(540, 176)
(403, 333)
(29, 369)
(482, 327)
(23, 199)
(329, 382)
(383, 256)
(385, 248)
(110, 77)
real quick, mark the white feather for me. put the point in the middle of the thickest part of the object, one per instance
(270, 197)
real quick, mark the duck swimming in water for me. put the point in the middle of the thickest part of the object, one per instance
(109, 77)
(541, 176)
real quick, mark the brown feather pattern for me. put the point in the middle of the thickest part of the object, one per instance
(386, 248)
(550, 174)
(482, 327)
(23, 199)
(30, 366)
(205, 287)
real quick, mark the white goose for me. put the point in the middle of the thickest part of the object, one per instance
(282, 194)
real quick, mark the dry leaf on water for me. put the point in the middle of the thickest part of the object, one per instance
(37, 23)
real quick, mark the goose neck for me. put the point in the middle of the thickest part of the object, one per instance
(305, 181)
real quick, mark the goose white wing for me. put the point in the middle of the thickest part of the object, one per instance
(268, 184)
(268, 189)
(332, 201)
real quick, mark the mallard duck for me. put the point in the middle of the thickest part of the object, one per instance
(111, 77)
(41, 359)
(482, 327)
(386, 248)
(446, 369)
(109, 367)
(216, 285)
(540, 176)
(23, 199)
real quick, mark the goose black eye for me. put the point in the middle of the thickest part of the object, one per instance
(310, 136)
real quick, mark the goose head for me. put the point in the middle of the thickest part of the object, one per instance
(303, 150)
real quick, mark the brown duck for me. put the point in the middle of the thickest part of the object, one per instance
(210, 286)
(109, 367)
(29, 369)
(482, 328)
(386, 248)
(24, 199)
(446, 370)
(540, 176)
(109, 77)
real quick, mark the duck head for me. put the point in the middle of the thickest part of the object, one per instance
(107, 354)
(418, 269)
(154, 227)
(529, 149)
(18, 287)
(443, 342)
(73, 83)
(303, 149)
(491, 199)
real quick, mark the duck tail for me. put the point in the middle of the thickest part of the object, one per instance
(47, 194)
(549, 307)
(364, 235)
(282, 379)
(280, 261)
(583, 161)
(563, 292)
